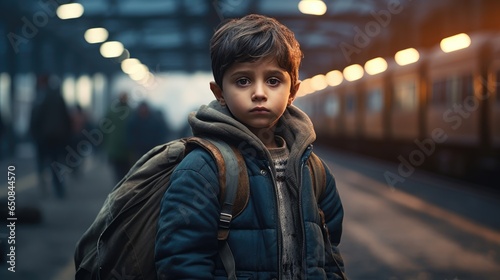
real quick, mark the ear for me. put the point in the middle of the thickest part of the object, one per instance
(293, 93)
(217, 91)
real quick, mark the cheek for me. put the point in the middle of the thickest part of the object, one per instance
(236, 105)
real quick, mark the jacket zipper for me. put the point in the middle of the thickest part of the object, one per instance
(280, 241)
(301, 215)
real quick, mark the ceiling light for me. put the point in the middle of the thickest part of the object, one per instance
(96, 35)
(111, 49)
(128, 64)
(69, 11)
(375, 66)
(312, 7)
(353, 72)
(318, 82)
(407, 56)
(139, 72)
(334, 78)
(305, 88)
(454, 43)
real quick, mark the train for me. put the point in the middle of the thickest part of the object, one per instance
(439, 111)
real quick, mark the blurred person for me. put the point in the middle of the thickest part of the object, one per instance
(116, 143)
(50, 127)
(146, 129)
(285, 231)
(80, 122)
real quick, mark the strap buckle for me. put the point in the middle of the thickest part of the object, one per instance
(225, 220)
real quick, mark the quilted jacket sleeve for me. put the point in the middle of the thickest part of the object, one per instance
(334, 214)
(186, 240)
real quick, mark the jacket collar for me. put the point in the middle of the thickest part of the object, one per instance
(213, 120)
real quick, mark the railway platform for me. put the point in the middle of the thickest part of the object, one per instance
(425, 228)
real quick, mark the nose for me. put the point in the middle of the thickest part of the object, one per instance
(259, 93)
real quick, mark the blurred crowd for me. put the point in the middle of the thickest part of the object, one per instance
(65, 137)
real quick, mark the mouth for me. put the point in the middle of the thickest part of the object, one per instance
(260, 109)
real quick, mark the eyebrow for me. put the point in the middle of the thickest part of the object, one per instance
(273, 72)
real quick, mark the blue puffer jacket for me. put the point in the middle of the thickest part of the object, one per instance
(186, 242)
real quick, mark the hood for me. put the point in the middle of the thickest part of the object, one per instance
(213, 120)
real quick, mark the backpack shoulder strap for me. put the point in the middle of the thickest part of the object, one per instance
(234, 190)
(318, 175)
(234, 193)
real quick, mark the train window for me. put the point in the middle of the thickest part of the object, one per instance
(438, 97)
(374, 100)
(458, 88)
(452, 90)
(350, 103)
(405, 96)
(332, 105)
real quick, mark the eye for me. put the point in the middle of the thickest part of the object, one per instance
(243, 82)
(273, 81)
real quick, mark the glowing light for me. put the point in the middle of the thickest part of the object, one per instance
(96, 35)
(353, 72)
(69, 11)
(84, 91)
(139, 72)
(111, 49)
(318, 82)
(148, 80)
(5, 97)
(69, 90)
(334, 78)
(375, 66)
(455, 43)
(312, 7)
(407, 56)
(305, 88)
(128, 64)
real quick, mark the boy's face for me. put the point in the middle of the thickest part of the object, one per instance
(257, 93)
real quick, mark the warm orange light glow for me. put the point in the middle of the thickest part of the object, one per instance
(353, 72)
(407, 56)
(334, 78)
(305, 88)
(454, 43)
(312, 7)
(318, 82)
(375, 66)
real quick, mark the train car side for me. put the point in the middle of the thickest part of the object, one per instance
(443, 110)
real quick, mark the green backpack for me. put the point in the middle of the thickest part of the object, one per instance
(120, 242)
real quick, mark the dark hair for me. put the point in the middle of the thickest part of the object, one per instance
(251, 38)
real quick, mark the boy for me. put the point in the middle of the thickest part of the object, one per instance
(278, 235)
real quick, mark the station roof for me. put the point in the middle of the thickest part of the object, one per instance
(172, 35)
